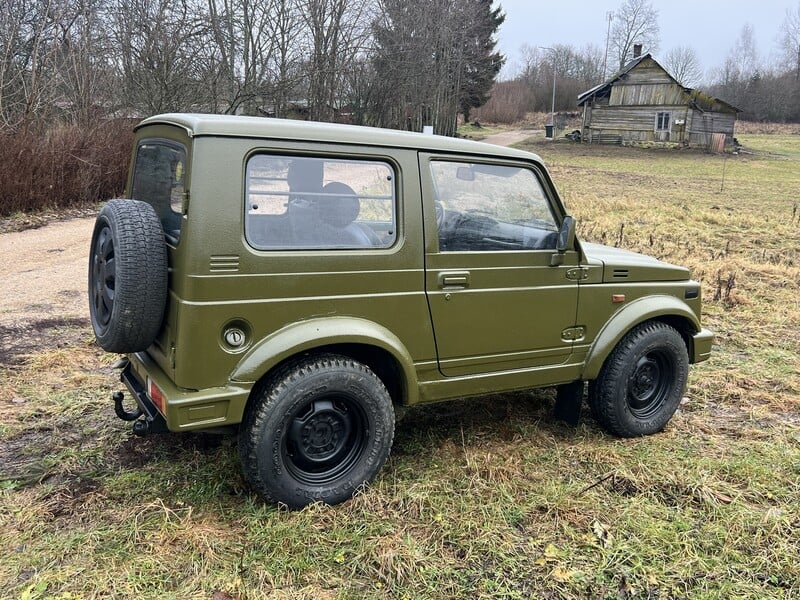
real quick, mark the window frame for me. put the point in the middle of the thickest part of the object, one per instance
(548, 198)
(661, 116)
(324, 157)
(178, 216)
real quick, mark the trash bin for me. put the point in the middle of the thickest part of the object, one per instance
(548, 131)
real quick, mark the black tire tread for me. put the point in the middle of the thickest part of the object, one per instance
(603, 404)
(141, 276)
(268, 395)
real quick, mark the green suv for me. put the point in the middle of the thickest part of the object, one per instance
(302, 280)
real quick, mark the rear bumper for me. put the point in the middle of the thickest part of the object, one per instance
(184, 410)
(702, 342)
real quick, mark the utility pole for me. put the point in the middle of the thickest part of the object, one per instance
(610, 17)
(553, 104)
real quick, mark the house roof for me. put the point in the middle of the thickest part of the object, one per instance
(700, 100)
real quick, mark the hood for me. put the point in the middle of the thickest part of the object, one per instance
(624, 265)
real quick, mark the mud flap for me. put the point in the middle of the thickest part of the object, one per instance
(569, 398)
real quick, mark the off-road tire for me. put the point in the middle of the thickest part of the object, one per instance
(127, 276)
(642, 382)
(316, 430)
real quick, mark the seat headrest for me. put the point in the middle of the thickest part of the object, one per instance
(339, 205)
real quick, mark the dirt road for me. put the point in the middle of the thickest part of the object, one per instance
(506, 138)
(44, 273)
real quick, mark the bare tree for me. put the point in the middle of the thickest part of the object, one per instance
(338, 31)
(790, 39)
(635, 22)
(84, 60)
(576, 71)
(159, 43)
(740, 79)
(286, 66)
(744, 55)
(28, 86)
(258, 47)
(683, 64)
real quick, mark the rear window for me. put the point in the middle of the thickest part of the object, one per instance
(300, 202)
(159, 175)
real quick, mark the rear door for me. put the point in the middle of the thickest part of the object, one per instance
(496, 302)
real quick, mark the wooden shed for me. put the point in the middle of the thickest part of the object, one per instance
(644, 103)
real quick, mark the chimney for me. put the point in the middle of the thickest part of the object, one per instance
(637, 50)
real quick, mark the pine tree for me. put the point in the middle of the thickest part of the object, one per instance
(483, 62)
(434, 58)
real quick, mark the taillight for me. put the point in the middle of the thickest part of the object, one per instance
(155, 394)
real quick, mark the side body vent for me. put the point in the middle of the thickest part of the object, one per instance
(223, 263)
(620, 274)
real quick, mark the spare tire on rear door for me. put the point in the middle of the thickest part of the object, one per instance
(127, 276)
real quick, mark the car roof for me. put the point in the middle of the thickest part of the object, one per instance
(197, 125)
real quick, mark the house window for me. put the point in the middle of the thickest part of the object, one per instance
(662, 121)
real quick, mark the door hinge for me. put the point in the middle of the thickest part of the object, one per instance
(573, 334)
(578, 273)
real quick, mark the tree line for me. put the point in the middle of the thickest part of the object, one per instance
(395, 63)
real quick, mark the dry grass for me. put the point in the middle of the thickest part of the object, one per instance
(754, 127)
(483, 498)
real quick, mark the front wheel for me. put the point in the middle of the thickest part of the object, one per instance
(316, 430)
(642, 382)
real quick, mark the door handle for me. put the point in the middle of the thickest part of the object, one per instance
(454, 279)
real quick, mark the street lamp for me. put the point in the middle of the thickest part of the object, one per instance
(553, 104)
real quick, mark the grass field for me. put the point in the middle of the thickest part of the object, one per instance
(486, 498)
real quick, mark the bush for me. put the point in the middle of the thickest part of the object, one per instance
(509, 102)
(64, 166)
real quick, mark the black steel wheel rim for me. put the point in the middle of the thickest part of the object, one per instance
(325, 439)
(104, 277)
(650, 384)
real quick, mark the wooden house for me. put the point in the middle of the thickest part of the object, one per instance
(644, 103)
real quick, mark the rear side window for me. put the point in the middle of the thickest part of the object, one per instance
(159, 178)
(297, 202)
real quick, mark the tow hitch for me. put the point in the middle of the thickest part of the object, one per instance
(120, 410)
(146, 418)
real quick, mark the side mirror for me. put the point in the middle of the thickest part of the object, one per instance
(566, 235)
(566, 239)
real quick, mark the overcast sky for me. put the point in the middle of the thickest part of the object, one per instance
(711, 27)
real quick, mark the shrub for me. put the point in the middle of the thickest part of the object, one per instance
(64, 166)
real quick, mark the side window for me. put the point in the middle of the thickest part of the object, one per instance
(296, 202)
(483, 207)
(159, 178)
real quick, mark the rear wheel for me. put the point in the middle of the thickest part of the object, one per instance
(642, 382)
(316, 430)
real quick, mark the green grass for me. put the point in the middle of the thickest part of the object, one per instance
(478, 133)
(776, 144)
(487, 498)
